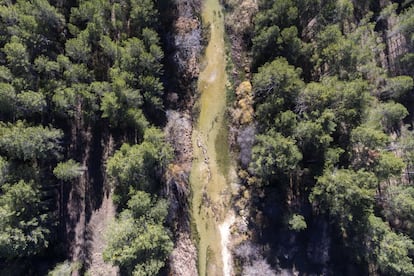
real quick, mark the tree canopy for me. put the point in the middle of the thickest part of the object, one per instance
(137, 240)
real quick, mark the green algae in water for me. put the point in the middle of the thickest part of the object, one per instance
(222, 149)
(211, 160)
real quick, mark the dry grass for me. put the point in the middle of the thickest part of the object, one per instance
(243, 111)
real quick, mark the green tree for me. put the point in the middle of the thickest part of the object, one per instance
(68, 170)
(78, 49)
(315, 136)
(345, 13)
(264, 42)
(406, 26)
(139, 166)
(390, 251)
(76, 101)
(396, 87)
(399, 208)
(406, 143)
(275, 88)
(30, 103)
(389, 165)
(341, 55)
(143, 15)
(348, 100)
(3, 170)
(137, 120)
(366, 144)
(22, 227)
(140, 58)
(297, 223)
(110, 108)
(17, 57)
(137, 241)
(273, 153)
(392, 115)
(275, 31)
(29, 143)
(346, 195)
(286, 123)
(7, 100)
(38, 24)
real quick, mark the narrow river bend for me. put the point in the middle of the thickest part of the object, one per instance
(211, 161)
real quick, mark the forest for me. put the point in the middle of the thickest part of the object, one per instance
(73, 73)
(101, 116)
(332, 94)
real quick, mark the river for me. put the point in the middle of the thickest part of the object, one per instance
(209, 178)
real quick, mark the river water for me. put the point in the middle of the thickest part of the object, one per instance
(211, 160)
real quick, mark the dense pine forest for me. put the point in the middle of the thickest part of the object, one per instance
(102, 108)
(331, 165)
(81, 80)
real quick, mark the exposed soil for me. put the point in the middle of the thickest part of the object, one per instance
(96, 230)
(89, 206)
(76, 204)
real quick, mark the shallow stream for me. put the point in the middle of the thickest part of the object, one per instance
(211, 160)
